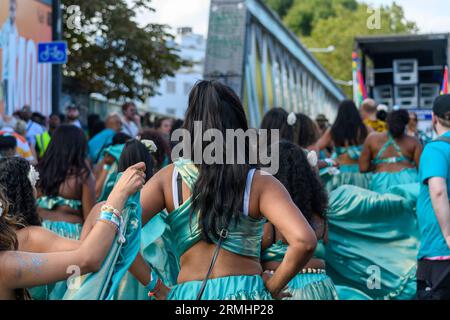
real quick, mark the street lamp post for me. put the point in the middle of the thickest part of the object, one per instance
(56, 68)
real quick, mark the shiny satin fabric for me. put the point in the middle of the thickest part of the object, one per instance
(373, 241)
(358, 179)
(102, 285)
(115, 152)
(226, 288)
(244, 238)
(382, 181)
(50, 203)
(157, 250)
(312, 286)
(347, 293)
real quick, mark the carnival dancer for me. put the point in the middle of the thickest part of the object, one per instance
(347, 134)
(19, 269)
(393, 155)
(307, 192)
(66, 188)
(217, 213)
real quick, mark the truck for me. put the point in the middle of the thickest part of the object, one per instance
(405, 71)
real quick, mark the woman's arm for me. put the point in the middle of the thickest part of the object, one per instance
(88, 198)
(41, 240)
(324, 141)
(277, 206)
(418, 153)
(23, 270)
(152, 196)
(100, 182)
(365, 160)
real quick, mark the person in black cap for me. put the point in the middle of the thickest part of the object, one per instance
(433, 209)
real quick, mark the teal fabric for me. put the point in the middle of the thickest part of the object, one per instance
(373, 234)
(115, 151)
(56, 291)
(349, 168)
(434, 162)
(275, 252)
(361, 180)
(64, 229)
(382, 181)
(347, 293)
(103, 285)
(244, 238)
(226, 288)
(158, 251)
(312, 286)
(400, 158)
(50, 203)
(99, 142)
(354, 152)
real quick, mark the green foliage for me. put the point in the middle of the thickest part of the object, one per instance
(280, 6)
(321, 23)
(111, 54)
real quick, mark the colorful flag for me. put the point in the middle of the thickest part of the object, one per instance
(445, 89)
(359, 88)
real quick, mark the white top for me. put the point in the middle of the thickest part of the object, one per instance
(130, 128)
(33, 129)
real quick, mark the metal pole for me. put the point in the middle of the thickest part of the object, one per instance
(56, 68)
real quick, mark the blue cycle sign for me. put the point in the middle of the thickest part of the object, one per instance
(52, 52)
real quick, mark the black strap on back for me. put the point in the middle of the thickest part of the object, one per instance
(180, 189)
(443, 139)
(223, 235)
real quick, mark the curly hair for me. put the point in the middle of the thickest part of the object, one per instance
(8, 236)
(18, 190)
(301, 181)
(397, 122)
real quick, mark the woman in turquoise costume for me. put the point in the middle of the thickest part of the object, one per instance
(393, 156)
(347, 134)
(66, 189)
(22, 268)
(208, 202)
(306, 190)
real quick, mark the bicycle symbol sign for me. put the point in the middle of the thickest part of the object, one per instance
(52, 52)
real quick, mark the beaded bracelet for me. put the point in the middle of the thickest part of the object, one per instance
(118, 222)
(108, 208)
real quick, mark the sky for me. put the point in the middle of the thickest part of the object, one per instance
(430, 15)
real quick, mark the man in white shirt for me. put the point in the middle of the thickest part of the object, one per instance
(33, 129)
(131, 122)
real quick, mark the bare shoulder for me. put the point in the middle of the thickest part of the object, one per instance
(265, 181)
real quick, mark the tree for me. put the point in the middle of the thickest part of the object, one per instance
(109, 53)
(341, 31)
(321, 23)
(280, 6)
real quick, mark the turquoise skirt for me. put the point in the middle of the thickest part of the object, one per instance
(349, 168)
(382, 181)
(226, 288)
(64, 229)
(57, 290)
(312, 286)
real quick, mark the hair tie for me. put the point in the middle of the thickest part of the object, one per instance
(150, 145)
(312, 158)
(291, 119)
(33, 176)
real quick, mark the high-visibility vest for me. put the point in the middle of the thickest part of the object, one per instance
(43, 140)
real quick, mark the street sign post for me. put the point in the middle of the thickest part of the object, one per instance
(52, 52)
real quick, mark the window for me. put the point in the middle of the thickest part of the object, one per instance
(171, 87)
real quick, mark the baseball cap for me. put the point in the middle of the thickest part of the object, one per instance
(441, 107)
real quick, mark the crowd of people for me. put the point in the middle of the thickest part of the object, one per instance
(358, 209)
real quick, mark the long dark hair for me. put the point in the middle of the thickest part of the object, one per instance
(135, 152)
(397, 122)
(163, 148)
(18, 190)
(8, 236)
(219, 190)
(348, 127)
(65, 156)
(306, 131)
(301, 181)
(276, 119)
